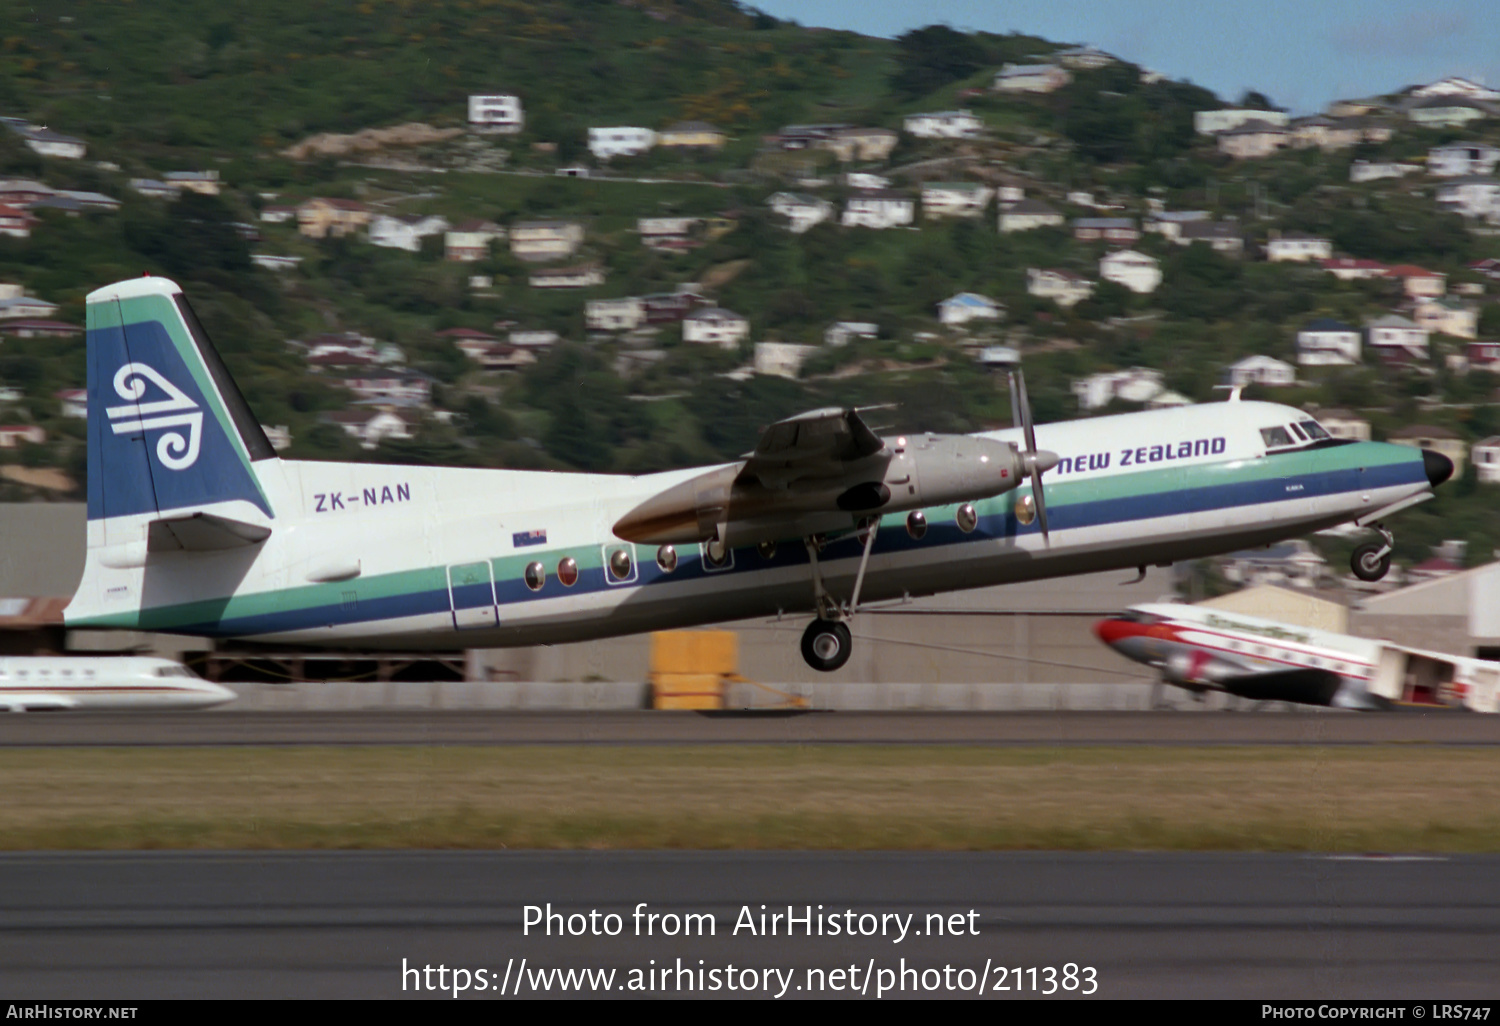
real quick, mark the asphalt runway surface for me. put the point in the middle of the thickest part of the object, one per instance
(303, 925)
(391, 727)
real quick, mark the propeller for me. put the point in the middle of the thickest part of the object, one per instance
(1034, 463)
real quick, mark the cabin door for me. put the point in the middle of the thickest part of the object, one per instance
(471, 593)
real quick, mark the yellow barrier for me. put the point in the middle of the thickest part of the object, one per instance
(689, 670)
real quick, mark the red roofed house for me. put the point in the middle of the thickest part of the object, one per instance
(15, 222)
(12, 435)
(1418, 281)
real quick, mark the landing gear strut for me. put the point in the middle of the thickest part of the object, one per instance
(1372, 560)
(826, 643)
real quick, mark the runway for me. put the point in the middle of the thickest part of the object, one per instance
(341, 925)
(389, 727)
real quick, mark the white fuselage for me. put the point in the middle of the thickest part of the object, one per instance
(39, 683)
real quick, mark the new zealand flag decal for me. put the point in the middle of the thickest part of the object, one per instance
(521, 539)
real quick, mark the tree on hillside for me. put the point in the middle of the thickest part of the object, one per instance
(929, 58)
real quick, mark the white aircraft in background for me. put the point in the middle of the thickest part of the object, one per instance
(48, 683)
(195, 526)
(1204, 649)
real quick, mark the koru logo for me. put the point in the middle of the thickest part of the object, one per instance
(174, 451)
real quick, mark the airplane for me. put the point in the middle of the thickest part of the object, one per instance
(195, 526)
(1202, 649)
(51, 683)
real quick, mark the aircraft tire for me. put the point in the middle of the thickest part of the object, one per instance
(1367, 565)
(826, 645)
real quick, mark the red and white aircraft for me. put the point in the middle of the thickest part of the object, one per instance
(1204, 649)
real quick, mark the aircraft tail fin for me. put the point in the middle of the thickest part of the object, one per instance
(168, 430)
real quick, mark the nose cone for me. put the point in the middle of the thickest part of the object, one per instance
(1439, 467)
(1110, 631)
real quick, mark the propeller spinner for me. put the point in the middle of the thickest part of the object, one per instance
(1034, 462)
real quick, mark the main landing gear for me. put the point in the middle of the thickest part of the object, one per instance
(1372, 560)
(826, 643)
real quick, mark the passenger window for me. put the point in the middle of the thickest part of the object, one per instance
(567, 571)
(1276, 437)
(536, 576)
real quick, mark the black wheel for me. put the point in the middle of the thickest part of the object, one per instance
(826, 645)
(1368, 564)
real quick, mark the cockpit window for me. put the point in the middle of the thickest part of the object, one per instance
(1276, 437)
(1314, 430)
(1299, 432)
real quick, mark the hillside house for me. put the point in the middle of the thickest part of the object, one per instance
(396, 387)
(162, 191)
(1030, 78)
(1447, 317)
(1345, 424)
(1459, 160)
(943, 124)
(545, 240)
(1262, 370)
(625, 314)
(468, 341)
(1027, 215)
(1486, 457)
(1169, 223)
(841, 333)
(1482, 355)
(1456, 86)
(1223, 236)
(23, 192)
(501, 357)
(322, 218)
(1136, 271)
(801, 210)
(1084, 58)
(1476, 196)
(1397, 340)
(1438, 439)
(205, 183)
(469, 241)
(15, 222)
(607, 143)
(1442, 112)
(273, 215)
(691, 135)
(275, 261)
(13, 436)
(73, 402)
(1325, 342)
(1253, 140)
(781, 359)
(1214, 122)
(48, 143)
(498, 113)
(1061, 286)
(1418, 282)
(1297, 248)
(1136, 385)
(404, 231)
(668, 234)
(580, 276)
(371, 427)
(27, 306)
(668, 307)
(1350, 269)
(879, 208)
(853, 143)
(32, 327)
(533, 338)
(955, 199)
(1118, 231)
(715, 326)
(804, 137)
(969, 306)
(1489, 267)
(1370, 171)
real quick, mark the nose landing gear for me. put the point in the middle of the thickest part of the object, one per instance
(1372, 560)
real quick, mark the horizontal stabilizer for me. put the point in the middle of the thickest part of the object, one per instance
(1306, 686)
(202, 532)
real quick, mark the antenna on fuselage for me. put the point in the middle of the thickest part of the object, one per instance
(1234, 392)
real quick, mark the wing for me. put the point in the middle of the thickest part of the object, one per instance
(1305, 685)
(819, 444)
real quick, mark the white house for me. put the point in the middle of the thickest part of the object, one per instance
(469, 241)
(879, 209)
(581, 276)
(1136, 271)
(1119, 231)
(496, 113)
(1397, 338)
(270, 215)
(205, 183)
(404, 231)
(1028, 214)
(1456, 86)
(801, 210)
(955, 199)
(1351, 269)
(1476, 196)
(781, 359)
(1087, 57)
(605, 143)
(15, 223)
(969, 306)
(1253, 140)
(1030, 78)
(371, 427)
(1262, 370)
(1369, 170)
(1062, 287)
(74, 402)
(1298, 248)
(53, 144)
(943, 124)
(26, 306)
(1486, 457)
(841, 333)
(715, 326)
(1223, 236)
(545, 240)
(614, 314)
(1136, 385)
(161, 190)
(274, 262)
(1459, 159)
(1325, 342)
(1213, 122)
(1169, 223)
(1447, 317)
(1344, 424)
